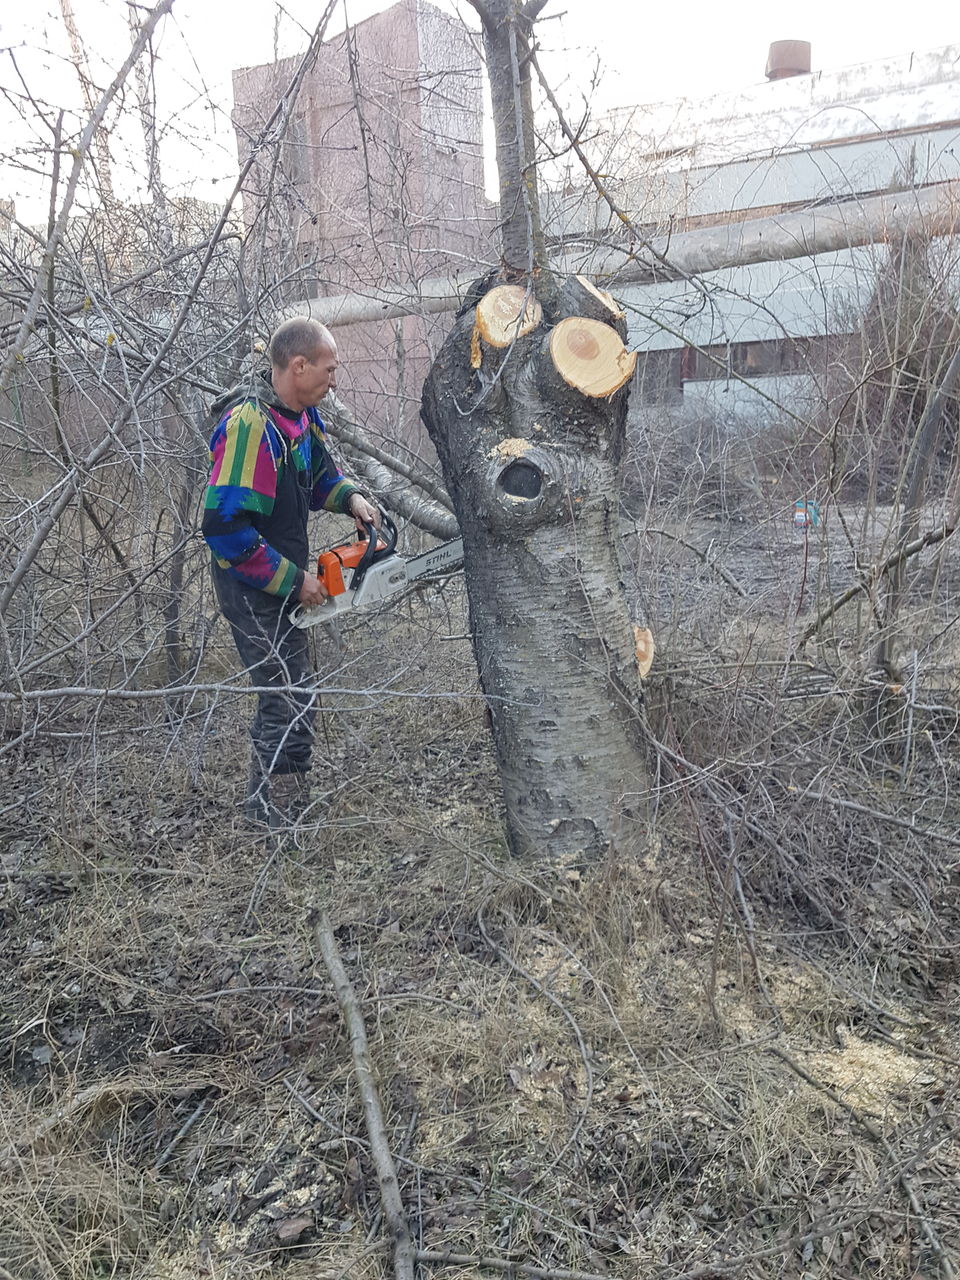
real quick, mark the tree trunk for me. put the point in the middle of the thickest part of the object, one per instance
(530, 436)
(507, 35)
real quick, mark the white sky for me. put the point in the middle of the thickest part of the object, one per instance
(615, 52)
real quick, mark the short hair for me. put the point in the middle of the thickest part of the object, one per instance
(299, 337)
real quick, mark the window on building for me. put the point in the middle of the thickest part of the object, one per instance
(296, 167)
(752, 359)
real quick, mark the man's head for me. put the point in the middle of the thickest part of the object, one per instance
(304, 359)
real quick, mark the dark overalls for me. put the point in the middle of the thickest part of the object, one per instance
(275, 653)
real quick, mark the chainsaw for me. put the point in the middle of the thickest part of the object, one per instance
(369, 571)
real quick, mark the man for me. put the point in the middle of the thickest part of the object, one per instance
(270, 468)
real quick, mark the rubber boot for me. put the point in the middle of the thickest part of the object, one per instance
(256, 807)
(289, 797)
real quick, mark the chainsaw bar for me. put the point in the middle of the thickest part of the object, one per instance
(438, 561)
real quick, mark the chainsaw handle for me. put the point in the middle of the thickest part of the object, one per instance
(373, 547)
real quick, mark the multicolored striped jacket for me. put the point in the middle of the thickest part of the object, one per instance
(270, 467)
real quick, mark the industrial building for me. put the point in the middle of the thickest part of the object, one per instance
(744, 342)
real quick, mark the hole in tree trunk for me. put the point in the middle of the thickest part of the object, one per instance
(521, 480)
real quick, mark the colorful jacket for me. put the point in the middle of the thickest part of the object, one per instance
(269, 468)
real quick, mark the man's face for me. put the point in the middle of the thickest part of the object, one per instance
(317, 376)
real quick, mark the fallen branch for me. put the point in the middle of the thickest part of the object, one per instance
(403, 1251)
(397, 496)
(502, 1264)
(878, 571)
(871, 1129)
(826, 1224)
(181, 1133)
(223, 687)
(903, 1046)
(344, 427)
(718, 569)
(927, 833)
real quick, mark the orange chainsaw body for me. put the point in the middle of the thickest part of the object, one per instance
(360, 575)
(331, 564)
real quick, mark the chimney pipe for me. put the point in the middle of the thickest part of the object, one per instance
(788, 58)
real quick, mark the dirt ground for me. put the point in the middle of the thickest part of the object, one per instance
(729, 1050)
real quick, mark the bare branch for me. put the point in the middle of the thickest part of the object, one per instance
(403, 1252)
(79, 154)
(931, 211)
(278, 117)
(532, 9)
(929, 539)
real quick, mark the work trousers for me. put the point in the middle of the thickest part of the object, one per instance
(276, 655)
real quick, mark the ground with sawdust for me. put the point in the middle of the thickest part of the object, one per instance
(730, 1050)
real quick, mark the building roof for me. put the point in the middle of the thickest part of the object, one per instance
(782, 145)
(913, 91)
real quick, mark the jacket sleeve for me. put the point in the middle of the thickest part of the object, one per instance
(331, 490)
(245, 458)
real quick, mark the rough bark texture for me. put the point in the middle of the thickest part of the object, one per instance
(507, 37)
(532, 467)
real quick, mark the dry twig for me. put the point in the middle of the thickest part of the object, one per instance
(717, 568)
(502, 1264)
(868, 1126)
(927, 833)
(867, 583)
(85, 1099)
(403, 1253)
(181, 1133)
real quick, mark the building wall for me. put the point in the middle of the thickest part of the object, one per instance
(893, 125)
(381, 180)
(754, 402)
(909, 92)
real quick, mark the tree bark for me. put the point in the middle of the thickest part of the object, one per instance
(507, 41)
(532, 463)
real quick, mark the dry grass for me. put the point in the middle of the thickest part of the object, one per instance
(577, 1074)
(558, 1086)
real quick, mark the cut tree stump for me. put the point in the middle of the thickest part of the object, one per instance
(581, 297)
(530, 431)
(505, 314)
(590, 356)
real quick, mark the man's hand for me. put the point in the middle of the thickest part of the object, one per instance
(363, 511)
(313, 591)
